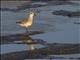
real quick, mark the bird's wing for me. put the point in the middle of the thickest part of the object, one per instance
(22, 21)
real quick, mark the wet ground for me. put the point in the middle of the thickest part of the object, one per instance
(57, 28)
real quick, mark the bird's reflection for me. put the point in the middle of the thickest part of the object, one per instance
(29, 41)
(33, 51)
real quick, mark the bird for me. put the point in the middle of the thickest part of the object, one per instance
(27, 22)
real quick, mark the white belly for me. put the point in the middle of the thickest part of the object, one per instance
(26, 24)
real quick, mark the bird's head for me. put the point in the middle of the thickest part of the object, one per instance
(33, 12)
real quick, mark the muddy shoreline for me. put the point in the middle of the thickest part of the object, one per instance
(43, 52)
(6, 39)
(58, 48)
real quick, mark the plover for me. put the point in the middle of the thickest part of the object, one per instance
(27, 22)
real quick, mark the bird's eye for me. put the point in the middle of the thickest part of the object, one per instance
(30, 13)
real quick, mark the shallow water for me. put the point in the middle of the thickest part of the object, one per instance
(8, 48)
(59, 29)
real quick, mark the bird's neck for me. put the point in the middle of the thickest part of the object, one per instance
(31, 17)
